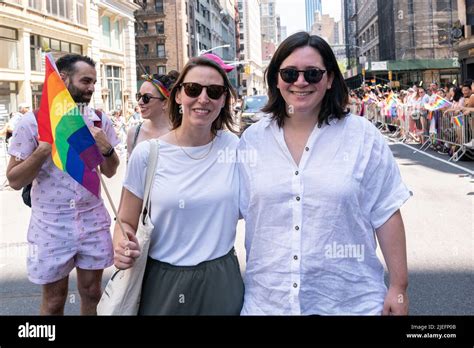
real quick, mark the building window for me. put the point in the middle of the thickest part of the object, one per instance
(61, 47)
(59, 8)
(159, 6)
(117, 42)
(161, 69)
(9, 44)
(160, 27)
(147, 69)
(160, 50)
(114, 84)
(146, 49)
(35, 4)
(81, 12)
(470, 12)
(443, 33)
(106, 36)
(145, 27)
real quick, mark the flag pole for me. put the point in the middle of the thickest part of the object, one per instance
(112, 204)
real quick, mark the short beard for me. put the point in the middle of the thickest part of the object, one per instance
(78, 97)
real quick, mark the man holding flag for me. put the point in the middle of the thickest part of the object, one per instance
(59, 148)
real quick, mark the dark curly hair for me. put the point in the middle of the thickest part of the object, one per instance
(67, 63)
(334, 103)
(167, 80)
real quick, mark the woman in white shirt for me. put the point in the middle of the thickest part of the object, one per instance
(192, 268)
(323, 184)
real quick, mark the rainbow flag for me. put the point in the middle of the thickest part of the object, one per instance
(458, 120)
(438, 103)
(391, 100)
(369, 99)
(60, 123)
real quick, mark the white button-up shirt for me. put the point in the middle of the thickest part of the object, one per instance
(310, 237)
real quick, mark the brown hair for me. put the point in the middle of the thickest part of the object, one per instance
(225, 119)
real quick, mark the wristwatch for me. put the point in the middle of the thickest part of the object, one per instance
(110, 152)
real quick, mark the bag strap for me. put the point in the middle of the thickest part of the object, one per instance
(135, 137)
(150, 174)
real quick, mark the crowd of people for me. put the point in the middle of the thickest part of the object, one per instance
(407, 112)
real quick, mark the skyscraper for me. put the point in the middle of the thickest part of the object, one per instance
(311, 6)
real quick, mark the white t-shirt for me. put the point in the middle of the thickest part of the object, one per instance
(309, 229)
(194, 203)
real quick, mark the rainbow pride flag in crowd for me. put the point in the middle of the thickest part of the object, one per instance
(369, 98)
(458, 120)
(438, 103)
(391, 100)
(60, 123)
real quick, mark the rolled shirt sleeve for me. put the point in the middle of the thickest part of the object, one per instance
(383, 185)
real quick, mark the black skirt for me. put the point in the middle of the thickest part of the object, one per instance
(210, 288)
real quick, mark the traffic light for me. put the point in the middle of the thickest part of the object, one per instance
(247, 69)
(390, 75)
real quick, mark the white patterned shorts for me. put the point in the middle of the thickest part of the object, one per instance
(61, 240)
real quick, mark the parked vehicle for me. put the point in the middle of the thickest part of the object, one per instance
(250, 111)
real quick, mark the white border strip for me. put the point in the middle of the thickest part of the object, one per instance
(431, 156)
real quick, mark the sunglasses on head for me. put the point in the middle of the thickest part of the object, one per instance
(146, 97)
(290, 75)
(193, 90)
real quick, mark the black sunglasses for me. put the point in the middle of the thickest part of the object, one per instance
(193, 90)
(290, 75)
(146, 97)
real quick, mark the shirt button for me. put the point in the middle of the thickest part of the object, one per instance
(297, 228)
(295, 257)
(296, 173)
(306, 148)
(298, 198)
(295, 285)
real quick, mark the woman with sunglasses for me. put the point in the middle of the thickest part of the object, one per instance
(192, 267)
(152, 100)
(325, 183)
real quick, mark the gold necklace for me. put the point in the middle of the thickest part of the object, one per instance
(187, 154)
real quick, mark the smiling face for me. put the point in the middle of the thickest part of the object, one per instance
(302, 97)
(155, 107)
(81, 82)
(201, 111)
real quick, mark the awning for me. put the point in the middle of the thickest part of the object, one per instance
(417, 64)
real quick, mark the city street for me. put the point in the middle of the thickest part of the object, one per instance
(438, 221)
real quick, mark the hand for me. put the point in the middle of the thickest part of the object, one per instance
(100, 138)
(126, 252)
(396, 302)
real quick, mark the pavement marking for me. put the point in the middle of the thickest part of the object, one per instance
(433, 157)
